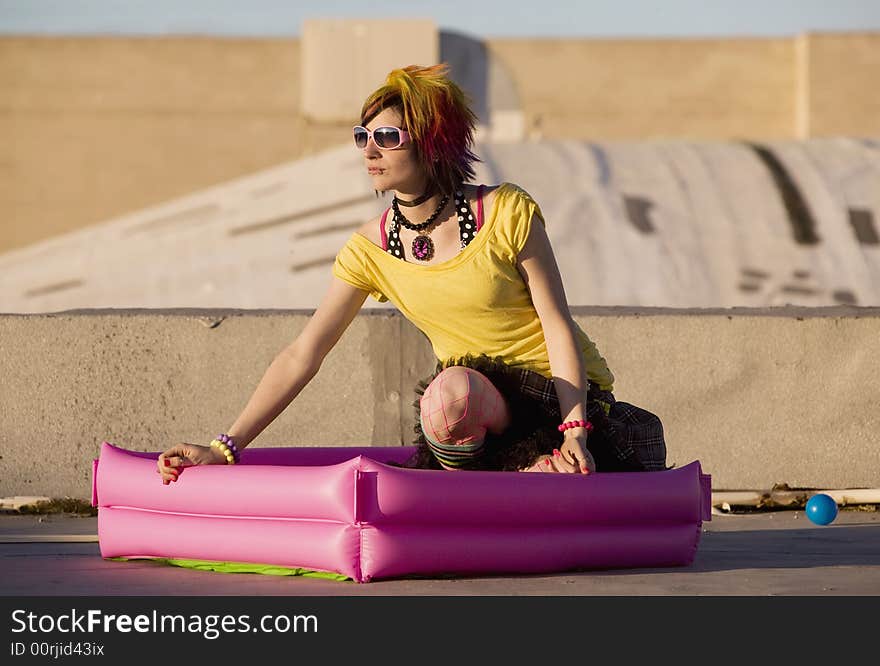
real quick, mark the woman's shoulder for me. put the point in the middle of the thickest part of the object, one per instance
(370, 229)
(488, 193)
(510, 198)
(514, 189)
(506, 190)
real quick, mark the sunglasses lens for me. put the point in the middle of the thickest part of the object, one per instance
(386, 137)
(360, 137)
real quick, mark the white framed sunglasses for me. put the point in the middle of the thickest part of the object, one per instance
(385, 138)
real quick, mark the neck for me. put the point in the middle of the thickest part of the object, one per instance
(421, 210)
(410, 203)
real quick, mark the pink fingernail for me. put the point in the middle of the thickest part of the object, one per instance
(167, 462)
(546, 462)
(556, 452)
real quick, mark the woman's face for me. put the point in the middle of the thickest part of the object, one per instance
(395, 169)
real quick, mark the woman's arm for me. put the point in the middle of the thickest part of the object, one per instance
(296, 365)
(292, 369)
(537, 264)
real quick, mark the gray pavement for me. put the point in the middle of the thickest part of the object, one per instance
(769, 553)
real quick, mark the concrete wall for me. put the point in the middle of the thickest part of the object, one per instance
(94, 127)
(606, 89)
(760, 397)
(343, 61)
(833, 84)
(678, 224)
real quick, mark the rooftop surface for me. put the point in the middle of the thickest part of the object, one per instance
(754, 554)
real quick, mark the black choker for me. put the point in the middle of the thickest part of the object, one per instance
(418, 200)
(422, 245)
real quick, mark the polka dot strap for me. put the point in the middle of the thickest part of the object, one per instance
(467, 227)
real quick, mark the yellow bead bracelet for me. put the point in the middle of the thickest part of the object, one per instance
(224, 449)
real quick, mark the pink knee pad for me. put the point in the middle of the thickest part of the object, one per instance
(457, 409)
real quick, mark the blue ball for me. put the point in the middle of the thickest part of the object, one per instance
(822, 509)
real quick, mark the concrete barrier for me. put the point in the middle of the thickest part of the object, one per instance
(655, 224)
(759, 396)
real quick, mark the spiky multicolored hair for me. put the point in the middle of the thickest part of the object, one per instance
(437, 116)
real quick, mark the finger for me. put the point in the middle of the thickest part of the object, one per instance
(537, 466)
(170, 475)
(583, 465)
(561, 463)
(546, 464)
(570, 454)
(166, 458)
(162, 463)
(556, 464)
(180, 461)
(588, 466)
(581, 459)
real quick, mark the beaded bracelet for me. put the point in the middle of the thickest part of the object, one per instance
(227, 448)
(227, 439)
(576, 424)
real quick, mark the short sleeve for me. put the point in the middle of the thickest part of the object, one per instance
(516, 212)
(350, 266)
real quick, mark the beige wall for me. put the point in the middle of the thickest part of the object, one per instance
(840, 84)
(345, 59)
(647, 89)
(760, 397)
(92, 128)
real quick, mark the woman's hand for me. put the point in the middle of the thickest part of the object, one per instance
(172, 461)
(542, 464)
(565, 460)
(574, 453)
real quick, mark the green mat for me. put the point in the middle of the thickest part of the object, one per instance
(238, 567)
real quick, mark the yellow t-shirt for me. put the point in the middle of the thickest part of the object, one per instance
(476, 302)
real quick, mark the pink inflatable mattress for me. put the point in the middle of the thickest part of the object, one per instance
(344, 510)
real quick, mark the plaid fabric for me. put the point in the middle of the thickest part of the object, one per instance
(625, 437)
(636, 431)
(641, 431)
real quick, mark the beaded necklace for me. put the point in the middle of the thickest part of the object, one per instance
(422, 245)
(467, 227)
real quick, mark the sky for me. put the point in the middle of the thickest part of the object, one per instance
(478, 18)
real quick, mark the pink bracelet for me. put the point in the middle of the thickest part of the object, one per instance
(576, 424)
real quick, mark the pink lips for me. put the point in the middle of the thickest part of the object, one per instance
(374, 172)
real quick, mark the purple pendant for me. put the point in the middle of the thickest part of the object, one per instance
(422, 248)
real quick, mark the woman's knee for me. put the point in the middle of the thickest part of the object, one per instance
(462, 404)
